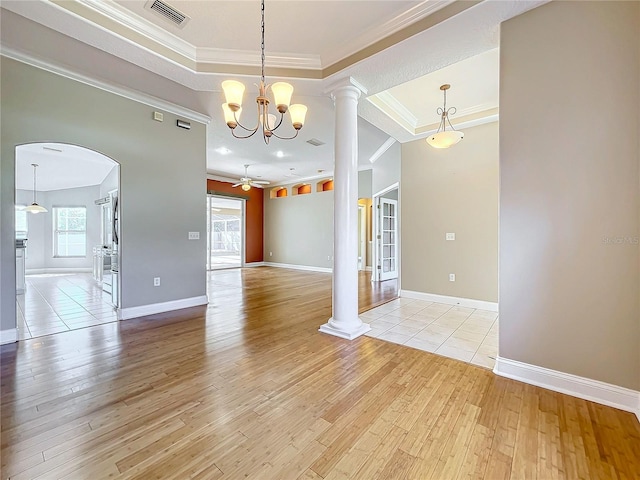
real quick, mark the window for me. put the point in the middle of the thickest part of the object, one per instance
(21, 222)
(70, 231)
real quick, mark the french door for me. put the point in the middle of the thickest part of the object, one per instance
(387, 239)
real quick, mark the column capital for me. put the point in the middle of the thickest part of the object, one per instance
(347, 86)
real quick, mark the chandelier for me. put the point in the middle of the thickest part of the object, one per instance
(444, 138)
(34, 207)
(267, 122)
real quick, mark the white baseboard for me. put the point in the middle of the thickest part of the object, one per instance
(585, 388)
(299, 267)
(9, 335)
(39, 271)
(461, 302)
(254, 264)
(154, 308)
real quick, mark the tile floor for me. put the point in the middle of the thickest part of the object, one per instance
(56, 303)
(465, 334)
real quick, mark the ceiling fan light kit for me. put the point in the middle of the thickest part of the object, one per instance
(246, 183)
(444, 138)
(268, 122)
(34, 207)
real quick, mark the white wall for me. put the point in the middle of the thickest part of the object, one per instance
(40, 246)
(365, 178)
(386, 170)
(110, 182)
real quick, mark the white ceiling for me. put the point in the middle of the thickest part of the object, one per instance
(60, 166)
(413, 104)
(456, 46)
(295, 32)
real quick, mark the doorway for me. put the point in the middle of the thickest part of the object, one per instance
(67, 266)
(386, 262)
(225, 232)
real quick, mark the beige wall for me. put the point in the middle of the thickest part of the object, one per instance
(453, 190)
(299, 229)
(569, 167)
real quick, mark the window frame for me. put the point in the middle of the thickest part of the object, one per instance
(21, 209)
(56, 231)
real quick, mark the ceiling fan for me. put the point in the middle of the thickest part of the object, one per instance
(247, 182)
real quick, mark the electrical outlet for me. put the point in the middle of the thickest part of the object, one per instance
(450, 236)
(194, 235)
(452, 277)
(271, 254)
(328, 257)
(156, 281)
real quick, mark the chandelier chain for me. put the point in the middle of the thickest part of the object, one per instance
(34, 182)
(262, 43)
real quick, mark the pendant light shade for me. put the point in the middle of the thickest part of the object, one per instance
(34, 207)
(444, 138)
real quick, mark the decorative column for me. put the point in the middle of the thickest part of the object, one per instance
(345, 322)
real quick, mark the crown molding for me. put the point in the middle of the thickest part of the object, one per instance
(150, 30)
(383, 148)
(200, 59)
(128, 93)
(140, 25)
(394, 109)
(399, 22)
(252, 59)
(220, 178)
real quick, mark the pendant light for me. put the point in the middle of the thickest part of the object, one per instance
(34, 207)
(267, 122)
(444, 138)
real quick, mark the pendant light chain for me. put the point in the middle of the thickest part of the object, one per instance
(262, 44)
(445, 101)
(34, 182)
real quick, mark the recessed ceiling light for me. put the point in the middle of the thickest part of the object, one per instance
(223, 150)
(279, 154)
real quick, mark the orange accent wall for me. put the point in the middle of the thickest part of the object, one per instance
(327, 186)
(255, 217)
(282, 192)
(302, 189)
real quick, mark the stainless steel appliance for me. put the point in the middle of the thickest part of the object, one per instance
(105, 256)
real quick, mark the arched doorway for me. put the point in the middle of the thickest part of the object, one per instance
(67, 253)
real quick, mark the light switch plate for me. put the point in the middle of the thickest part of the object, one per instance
(451, 236)
(452, 277)
(194, 235)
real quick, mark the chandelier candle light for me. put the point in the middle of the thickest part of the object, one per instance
(234, 91)
(444, 138)
(34, 207)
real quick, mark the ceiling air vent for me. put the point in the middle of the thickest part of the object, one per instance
(315, 142)
(167, 12)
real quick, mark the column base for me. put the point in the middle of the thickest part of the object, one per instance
(349, 335)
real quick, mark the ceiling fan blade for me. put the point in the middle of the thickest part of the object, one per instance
(237, 184)
(254, 184)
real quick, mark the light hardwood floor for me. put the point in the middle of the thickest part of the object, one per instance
(247, 388)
